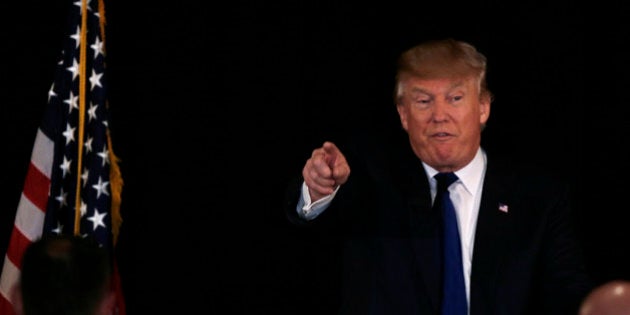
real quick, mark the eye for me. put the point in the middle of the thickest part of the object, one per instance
(421, 102)
(420, 99)
(455, 98)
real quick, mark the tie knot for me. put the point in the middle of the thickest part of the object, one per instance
(444, 180)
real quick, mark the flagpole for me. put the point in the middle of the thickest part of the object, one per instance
(82, 66)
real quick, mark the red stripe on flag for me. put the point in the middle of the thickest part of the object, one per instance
(119, 307)
(6, 308)
(36, 187)
(18, 245)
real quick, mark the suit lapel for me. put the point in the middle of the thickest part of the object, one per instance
(491, 239)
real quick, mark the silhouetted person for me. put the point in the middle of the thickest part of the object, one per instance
(64, 275)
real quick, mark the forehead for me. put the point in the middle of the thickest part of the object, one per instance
(440, 85)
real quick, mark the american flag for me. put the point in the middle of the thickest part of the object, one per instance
(73, 183)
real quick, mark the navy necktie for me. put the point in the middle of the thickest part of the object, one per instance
(454, 289)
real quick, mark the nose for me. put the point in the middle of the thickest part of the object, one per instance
(440, 110)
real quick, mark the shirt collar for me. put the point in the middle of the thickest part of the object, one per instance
(470, 175)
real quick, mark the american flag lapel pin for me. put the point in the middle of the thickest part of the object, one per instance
(503, 207)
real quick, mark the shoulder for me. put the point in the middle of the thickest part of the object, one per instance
(526, 177)
(536, 194)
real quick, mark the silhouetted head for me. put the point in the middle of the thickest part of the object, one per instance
(611, 298)
(64, 275)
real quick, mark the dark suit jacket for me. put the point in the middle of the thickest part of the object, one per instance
(526, 260)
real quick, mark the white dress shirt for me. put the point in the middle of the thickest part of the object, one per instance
(465, 194)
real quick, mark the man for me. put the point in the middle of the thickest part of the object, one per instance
(518, 244)
(64, 275)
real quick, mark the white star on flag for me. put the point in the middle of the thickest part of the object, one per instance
(503, 207)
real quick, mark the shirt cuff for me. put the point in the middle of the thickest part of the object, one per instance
(310, 210)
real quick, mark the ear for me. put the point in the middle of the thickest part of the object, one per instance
(16, 299)
(403, 115)
(484, 110)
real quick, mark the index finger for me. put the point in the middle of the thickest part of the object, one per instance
(332, 152)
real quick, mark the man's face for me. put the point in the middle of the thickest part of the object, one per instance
(444, 119)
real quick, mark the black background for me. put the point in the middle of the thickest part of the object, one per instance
(216, 106)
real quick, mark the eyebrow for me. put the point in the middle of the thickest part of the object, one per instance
(418, 90)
